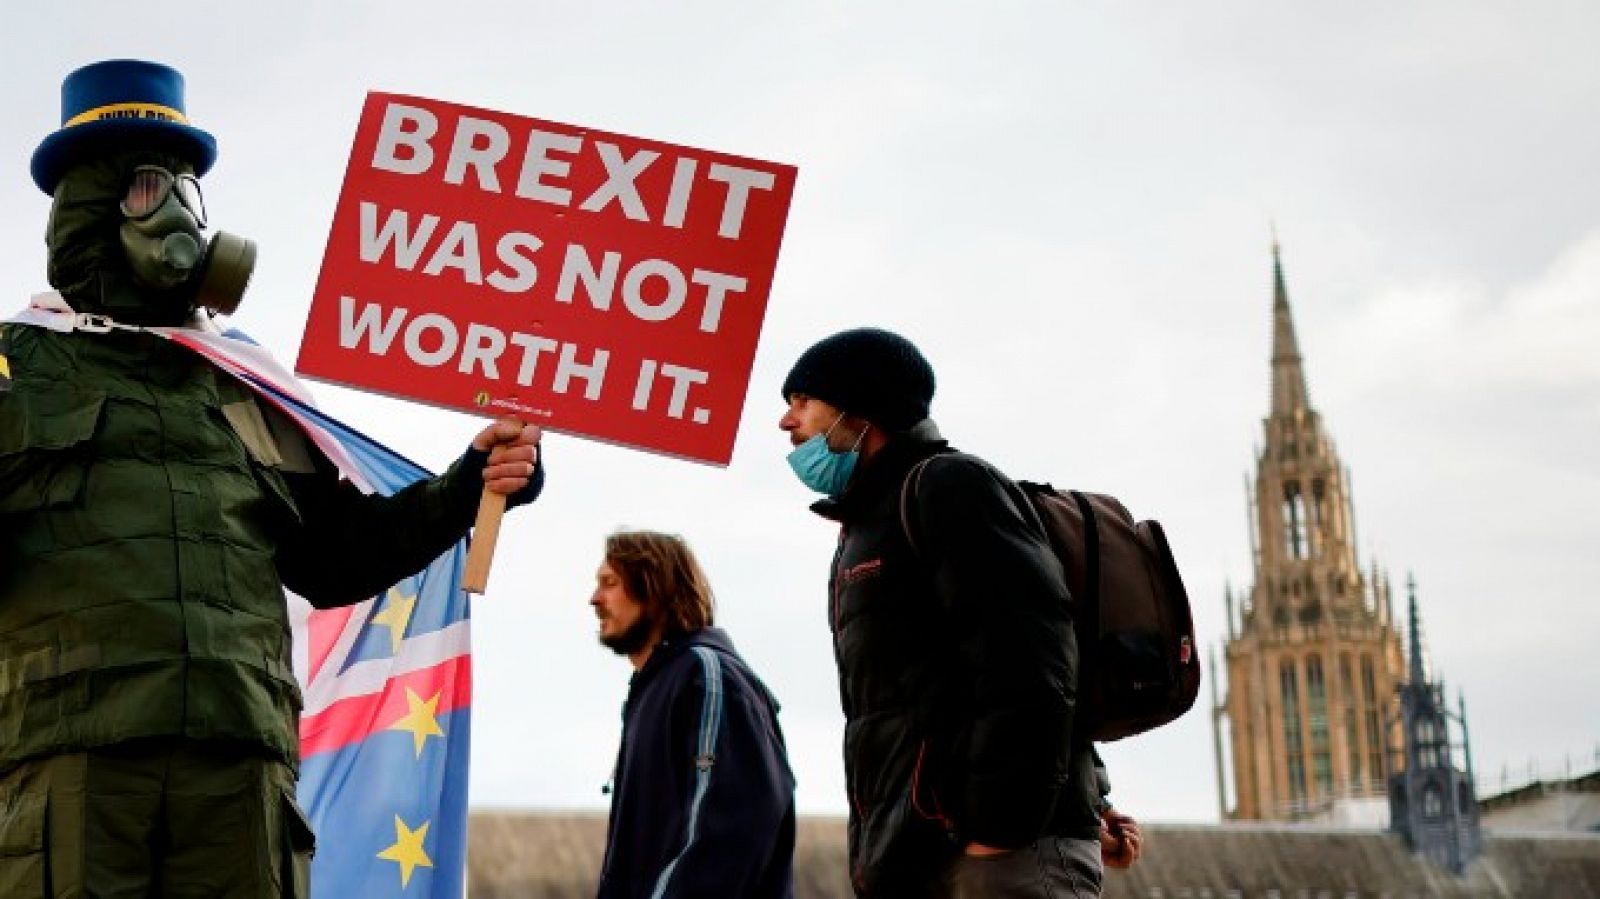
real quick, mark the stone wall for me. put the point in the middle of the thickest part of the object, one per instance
(556, 856)
(1572, 804)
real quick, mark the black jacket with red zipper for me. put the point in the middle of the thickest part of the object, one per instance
(957, 669)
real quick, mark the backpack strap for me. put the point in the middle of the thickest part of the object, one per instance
(1020, 492)
(908, 492)
(1091, 553)
(1087, 611)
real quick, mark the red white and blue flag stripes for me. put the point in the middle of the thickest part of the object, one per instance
(385, 733)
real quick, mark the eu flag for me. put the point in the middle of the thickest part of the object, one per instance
(385, 733)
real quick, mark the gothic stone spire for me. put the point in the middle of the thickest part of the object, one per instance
(1289, 393)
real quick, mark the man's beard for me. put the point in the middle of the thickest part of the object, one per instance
(634, 638)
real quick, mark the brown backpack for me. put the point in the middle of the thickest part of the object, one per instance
(1137, 664)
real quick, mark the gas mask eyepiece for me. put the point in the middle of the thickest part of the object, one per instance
(150, 187)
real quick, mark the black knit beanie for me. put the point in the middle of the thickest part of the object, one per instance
(869, 372)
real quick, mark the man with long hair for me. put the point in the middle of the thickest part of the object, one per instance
(703, 798)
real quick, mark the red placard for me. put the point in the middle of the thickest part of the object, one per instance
(591, 282)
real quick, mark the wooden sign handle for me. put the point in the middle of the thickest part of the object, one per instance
(485, 531)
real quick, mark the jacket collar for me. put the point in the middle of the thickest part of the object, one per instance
(879, 479)
(671, 647)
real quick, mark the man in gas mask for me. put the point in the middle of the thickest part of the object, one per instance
(152, 511)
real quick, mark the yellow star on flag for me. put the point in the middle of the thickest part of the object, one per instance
(421, 720)
(407, 850)
(395, 616)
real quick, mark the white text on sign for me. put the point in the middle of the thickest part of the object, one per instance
(458, 251)
(405, 147)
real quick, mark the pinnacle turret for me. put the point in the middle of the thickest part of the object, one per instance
(1417, 661)
(1288, 372)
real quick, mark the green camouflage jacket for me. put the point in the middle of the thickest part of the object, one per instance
(151, 513)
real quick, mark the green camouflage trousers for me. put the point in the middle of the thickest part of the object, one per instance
(154, 818)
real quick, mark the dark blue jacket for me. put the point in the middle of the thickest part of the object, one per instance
(703, 803)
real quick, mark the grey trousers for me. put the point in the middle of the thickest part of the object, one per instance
(1051, 868)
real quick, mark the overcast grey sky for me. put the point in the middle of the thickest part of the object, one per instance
(1068, 207)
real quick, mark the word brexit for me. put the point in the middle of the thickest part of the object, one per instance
(478, 146)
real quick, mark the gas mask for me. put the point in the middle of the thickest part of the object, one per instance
(126, 239)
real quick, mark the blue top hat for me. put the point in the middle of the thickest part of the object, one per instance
(121, 103)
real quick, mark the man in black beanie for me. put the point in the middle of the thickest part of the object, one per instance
(957, 660)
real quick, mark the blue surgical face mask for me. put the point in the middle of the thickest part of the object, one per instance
(822, 469)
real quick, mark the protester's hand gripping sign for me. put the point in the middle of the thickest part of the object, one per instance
(585, 281)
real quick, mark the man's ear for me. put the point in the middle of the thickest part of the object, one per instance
(856, 423)
(873, 437)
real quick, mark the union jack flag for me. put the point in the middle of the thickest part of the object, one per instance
(386, 731)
